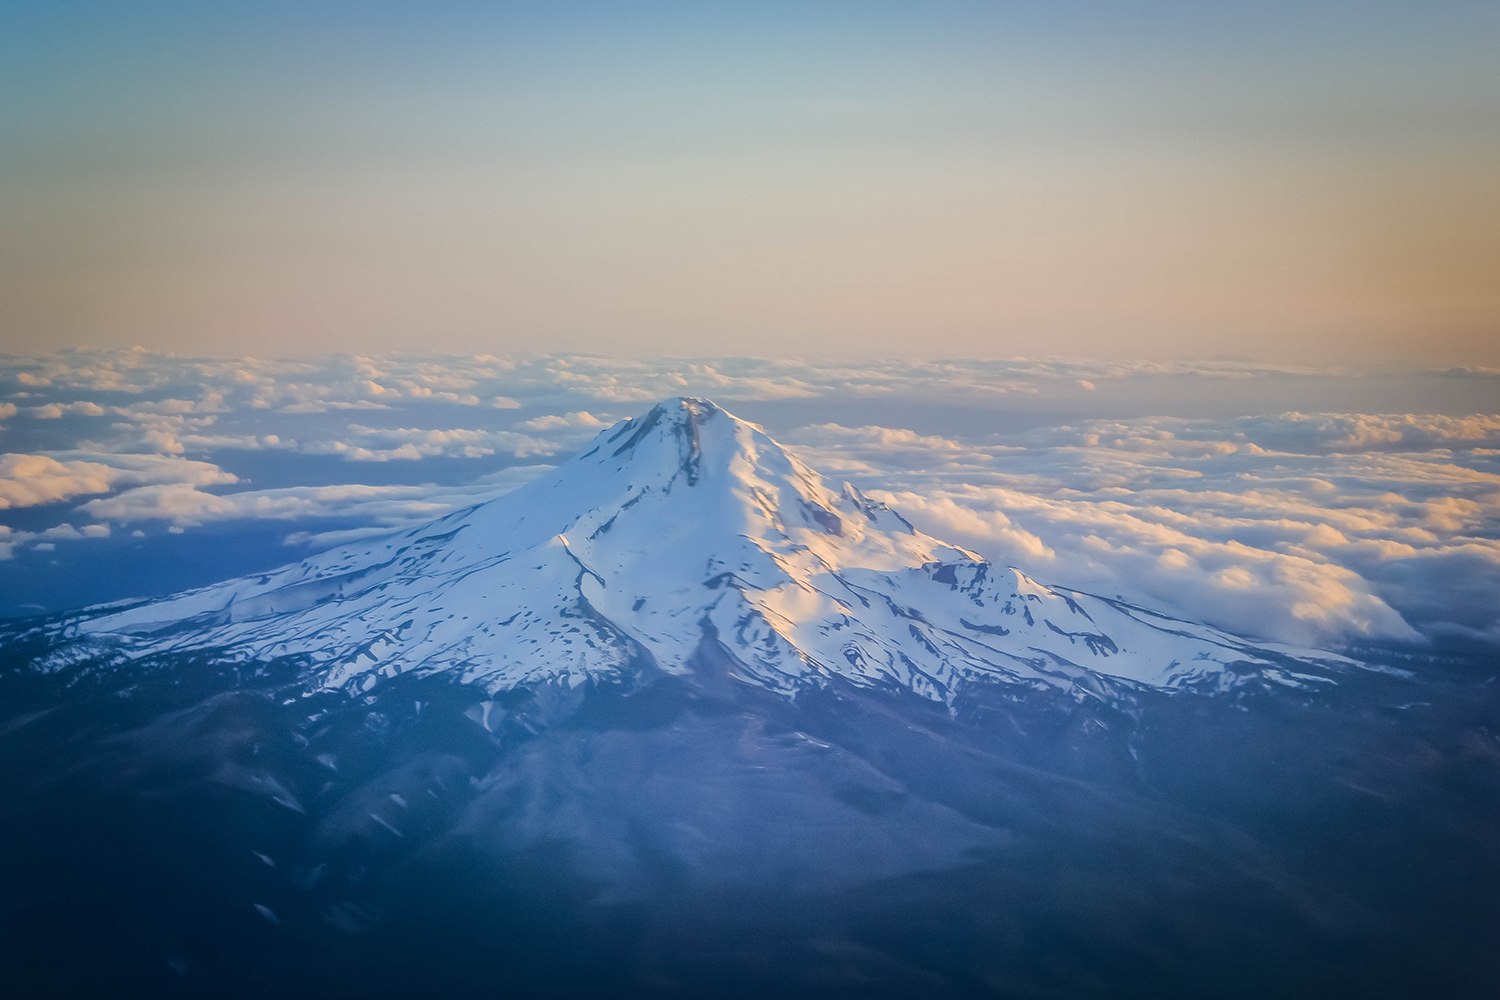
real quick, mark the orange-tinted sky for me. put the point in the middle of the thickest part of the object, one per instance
(1150, 179)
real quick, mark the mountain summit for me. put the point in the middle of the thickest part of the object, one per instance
(689, 542)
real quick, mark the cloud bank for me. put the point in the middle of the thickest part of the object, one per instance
(1293, 523)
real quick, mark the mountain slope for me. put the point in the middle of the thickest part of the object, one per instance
(685, 541)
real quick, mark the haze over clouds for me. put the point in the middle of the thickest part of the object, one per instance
(1300, 525)
(1296, 181)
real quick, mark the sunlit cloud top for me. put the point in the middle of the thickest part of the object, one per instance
(1287, 181)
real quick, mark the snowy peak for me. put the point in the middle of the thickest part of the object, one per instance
(692, 478)
(671, 434)
(689, 542)
(687, 440)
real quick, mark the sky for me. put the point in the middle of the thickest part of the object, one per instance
(1296, 182)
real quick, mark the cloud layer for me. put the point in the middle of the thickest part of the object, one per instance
(1308, 528)
(1290, 523)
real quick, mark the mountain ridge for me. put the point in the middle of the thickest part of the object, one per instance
(682, 536)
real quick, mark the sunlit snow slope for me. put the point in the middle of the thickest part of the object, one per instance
(687, 541)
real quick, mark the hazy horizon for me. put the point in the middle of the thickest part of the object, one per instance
(1290, 184)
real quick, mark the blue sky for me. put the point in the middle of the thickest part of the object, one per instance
(1292, 181)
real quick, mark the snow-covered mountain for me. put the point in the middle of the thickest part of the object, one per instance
(685, 541)
(678, 719)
